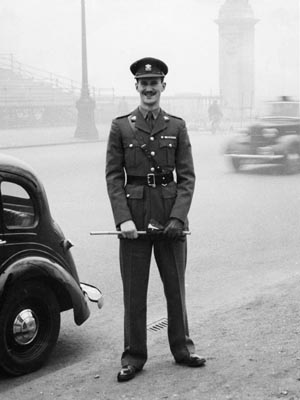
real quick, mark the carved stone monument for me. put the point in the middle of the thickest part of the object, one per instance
(236, 58)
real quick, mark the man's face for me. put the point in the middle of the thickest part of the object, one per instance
(150, 90)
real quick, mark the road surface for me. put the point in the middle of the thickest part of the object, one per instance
(244, 242)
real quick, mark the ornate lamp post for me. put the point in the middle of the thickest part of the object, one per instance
(86, 127)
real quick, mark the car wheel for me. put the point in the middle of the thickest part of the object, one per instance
(29, 327)
(291, 164)
(236, 162)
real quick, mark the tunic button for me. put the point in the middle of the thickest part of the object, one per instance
(152, 169)
(170, 144)
(131, 145)
(152, 153)
(151, 138)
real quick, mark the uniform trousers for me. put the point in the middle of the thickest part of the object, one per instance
(135, 258)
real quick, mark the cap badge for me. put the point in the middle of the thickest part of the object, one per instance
(148, 67)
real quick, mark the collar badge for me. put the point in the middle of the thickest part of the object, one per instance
(133, 118)
(166, 118)
(148, 67)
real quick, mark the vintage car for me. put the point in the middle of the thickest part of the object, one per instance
(273, 139)
(38, 277)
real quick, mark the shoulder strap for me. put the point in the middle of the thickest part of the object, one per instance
(123, 116)
(144, 147)
(174, 116)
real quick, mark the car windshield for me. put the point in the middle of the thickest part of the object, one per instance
(283, 109)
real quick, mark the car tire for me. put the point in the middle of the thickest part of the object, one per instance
(291, 163)
(236, 163)
(29, 327)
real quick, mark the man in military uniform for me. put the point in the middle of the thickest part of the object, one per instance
(146, 148)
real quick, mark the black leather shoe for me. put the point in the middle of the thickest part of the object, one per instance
(193, 361)
(126, 373)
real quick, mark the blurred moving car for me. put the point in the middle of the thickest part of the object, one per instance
(274, 139)
(38, 277)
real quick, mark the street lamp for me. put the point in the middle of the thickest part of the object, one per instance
(86, 127)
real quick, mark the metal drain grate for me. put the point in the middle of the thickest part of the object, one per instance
(158, 325)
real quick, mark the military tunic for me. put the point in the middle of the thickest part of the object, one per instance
(169, 145)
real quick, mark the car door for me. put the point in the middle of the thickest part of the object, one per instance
(2, 238)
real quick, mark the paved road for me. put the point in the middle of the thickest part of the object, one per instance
(245, 239)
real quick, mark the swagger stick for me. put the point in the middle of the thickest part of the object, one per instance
(153, 228)
(93, 233)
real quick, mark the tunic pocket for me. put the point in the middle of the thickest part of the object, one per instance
(168, 194)
(169, 191)
(134, 192)
(168, 149)
(135, 196)
(131, 151)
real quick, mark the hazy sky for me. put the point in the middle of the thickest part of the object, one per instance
(46, 34)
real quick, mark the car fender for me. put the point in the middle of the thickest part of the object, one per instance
(287, 142)
(237, 144)
(34, 267)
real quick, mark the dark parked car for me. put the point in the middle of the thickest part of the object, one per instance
(38, 277)
(274, 139)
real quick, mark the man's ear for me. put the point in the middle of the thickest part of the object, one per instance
(164, 85)
(136, 86)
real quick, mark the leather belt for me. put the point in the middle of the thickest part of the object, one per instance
(150, 179)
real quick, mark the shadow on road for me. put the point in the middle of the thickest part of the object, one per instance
(68, 351)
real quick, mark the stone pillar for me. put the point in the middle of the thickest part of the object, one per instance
(236, 58)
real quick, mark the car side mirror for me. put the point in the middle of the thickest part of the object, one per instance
(93, 294)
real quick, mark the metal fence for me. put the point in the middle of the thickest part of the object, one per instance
(33, 97)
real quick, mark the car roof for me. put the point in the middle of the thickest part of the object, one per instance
(16, 166)
(284, 101)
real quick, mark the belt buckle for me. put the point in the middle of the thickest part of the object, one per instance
(151, 180)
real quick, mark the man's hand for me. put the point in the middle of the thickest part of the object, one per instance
(173, 228)
(128, 230)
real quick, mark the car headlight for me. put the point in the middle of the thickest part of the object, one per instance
(269, 133)
(243, 138)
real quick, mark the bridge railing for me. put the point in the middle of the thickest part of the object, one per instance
(9, 62)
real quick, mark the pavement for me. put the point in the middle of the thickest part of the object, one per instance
(52, 136)
(47, 136)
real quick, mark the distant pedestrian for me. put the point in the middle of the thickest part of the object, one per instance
(215, 116)
(145, 148)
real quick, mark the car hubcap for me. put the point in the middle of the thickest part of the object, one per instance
(25, 327)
